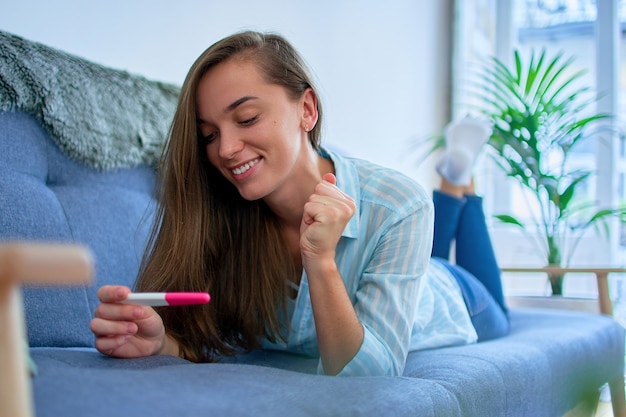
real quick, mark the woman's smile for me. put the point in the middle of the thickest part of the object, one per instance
(246, 169)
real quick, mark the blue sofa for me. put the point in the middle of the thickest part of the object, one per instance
(78, 148)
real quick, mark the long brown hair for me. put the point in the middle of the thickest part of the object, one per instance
(206, 237)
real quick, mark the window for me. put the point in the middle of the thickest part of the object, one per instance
(590, 32)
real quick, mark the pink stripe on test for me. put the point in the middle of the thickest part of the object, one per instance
(186, 298)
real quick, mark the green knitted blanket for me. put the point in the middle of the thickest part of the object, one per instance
(103, 117)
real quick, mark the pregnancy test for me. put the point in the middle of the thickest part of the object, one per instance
(158, 299)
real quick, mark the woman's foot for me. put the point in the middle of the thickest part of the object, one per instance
(464, 140)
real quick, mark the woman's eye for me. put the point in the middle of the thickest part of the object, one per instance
(249, 121)
(206, 139)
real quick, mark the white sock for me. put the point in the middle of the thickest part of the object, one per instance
(464, 140)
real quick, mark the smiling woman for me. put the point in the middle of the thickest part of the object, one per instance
(266, 200)
(301, 249)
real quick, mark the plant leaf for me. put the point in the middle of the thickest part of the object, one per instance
(508, 219)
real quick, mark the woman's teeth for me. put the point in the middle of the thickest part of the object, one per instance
(240, 170)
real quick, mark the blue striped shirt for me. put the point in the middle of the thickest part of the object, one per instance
(383, 257)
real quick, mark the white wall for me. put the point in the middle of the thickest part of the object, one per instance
(383, 67)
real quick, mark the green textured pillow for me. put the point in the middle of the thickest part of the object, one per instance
(104, 117)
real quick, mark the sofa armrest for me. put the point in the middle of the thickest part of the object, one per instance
(618, 397)
(25, 263)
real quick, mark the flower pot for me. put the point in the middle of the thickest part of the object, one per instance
(556, 282)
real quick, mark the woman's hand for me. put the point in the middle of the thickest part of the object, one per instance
(128, 331)
(326, 215)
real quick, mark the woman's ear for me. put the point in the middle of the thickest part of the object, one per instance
(309, 109)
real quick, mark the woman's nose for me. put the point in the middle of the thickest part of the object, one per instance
(230, 145)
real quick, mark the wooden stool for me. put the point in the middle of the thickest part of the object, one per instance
(26, 263)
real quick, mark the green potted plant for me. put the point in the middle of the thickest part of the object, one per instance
(540, 111)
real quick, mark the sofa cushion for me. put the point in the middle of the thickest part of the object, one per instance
(46, 196)
(80, 383)
(545, 366)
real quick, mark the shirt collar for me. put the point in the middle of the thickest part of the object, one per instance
(348, 182)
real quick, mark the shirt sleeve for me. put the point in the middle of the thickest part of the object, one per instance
(388, 290)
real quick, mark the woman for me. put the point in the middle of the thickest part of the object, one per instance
(301, 249)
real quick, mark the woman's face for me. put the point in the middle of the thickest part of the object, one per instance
(253, 131)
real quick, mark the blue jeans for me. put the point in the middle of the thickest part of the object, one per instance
(476, 269)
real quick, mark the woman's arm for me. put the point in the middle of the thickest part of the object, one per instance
(339, 331)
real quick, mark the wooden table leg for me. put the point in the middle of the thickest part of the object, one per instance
(606, 306)
(618, 400)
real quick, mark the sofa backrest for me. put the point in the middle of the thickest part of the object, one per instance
(46, 196)
(78, 147)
